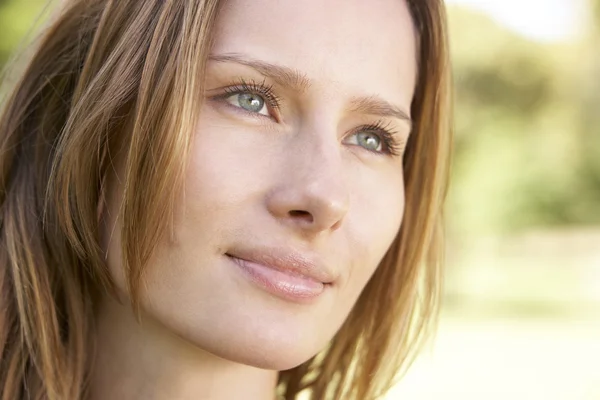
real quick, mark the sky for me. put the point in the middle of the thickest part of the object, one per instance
(543, 20)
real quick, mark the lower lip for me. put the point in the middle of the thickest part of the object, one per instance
(281, 284)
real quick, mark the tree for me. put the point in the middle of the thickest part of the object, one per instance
(522, 159)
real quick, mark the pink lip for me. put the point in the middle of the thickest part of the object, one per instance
(287, 275)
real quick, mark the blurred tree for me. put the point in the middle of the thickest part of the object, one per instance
(519, 160)
(589, 121)
(16, 20)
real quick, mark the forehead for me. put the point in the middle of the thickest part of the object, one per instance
(350, 45)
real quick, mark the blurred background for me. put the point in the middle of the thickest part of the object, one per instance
(521, 311)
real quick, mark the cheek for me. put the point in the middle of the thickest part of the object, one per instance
(377, 217)
(380, 202)
(228, 166)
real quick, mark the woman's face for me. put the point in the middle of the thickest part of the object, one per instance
(295, 189)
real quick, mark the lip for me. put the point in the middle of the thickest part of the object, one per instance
(287, 274)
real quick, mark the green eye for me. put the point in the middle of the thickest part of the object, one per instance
(256, 98)
(251, 102)
(376, 138)
(369, 141)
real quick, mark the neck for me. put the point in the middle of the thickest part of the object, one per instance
(134, 360)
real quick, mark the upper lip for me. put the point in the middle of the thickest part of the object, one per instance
(287, 260)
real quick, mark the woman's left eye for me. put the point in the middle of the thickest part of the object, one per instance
(368, 139)
(376, 138)
(249, 101)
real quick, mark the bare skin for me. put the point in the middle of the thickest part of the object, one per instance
(146, 362)
(313, 173)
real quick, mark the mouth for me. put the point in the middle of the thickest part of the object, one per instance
(286, 275)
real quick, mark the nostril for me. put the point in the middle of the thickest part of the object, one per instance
(300, 214)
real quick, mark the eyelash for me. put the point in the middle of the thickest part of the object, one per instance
(261, 88)
(387, 135)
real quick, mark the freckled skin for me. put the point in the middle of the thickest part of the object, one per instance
(250, 175)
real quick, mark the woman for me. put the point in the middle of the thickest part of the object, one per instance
(223, 200)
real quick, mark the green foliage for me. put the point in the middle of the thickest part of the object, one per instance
(528, 144)
(16, 21)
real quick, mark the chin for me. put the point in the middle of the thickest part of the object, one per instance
(261, 351)
(221, 313)
(273, 338)
(274, 358)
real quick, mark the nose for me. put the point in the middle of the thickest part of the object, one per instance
(311, 194)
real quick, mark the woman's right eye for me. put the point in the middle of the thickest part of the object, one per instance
(250, 102)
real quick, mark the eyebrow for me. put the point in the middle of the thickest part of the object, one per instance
(284, 76)
(375, 105)
(290, 77)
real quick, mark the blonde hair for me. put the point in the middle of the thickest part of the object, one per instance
(122, 76)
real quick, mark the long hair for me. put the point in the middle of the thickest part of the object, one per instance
(122, 76)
